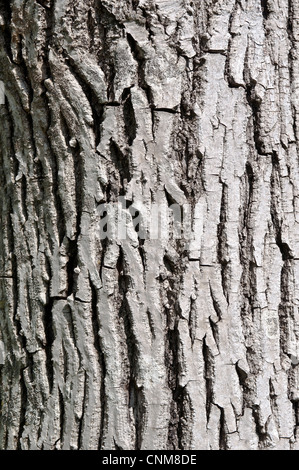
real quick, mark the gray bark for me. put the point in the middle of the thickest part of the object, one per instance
(144, 343)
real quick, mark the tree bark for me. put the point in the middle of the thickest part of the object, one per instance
(149, 342)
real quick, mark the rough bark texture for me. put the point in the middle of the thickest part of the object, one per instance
(155, 343)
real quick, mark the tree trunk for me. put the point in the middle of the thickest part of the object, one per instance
(159, 337)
